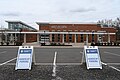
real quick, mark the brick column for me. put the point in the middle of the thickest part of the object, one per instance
(75, 38)
(86, 39)
(50, 37)
(109, 38)
(38, 38)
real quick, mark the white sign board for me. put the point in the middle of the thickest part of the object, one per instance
(92, 57)
(24, 58)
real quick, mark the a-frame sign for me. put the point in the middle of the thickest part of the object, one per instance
(92, 57)
(24, 57)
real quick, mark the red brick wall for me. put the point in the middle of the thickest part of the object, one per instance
(68, 27)
(30, 37)
(79, 27)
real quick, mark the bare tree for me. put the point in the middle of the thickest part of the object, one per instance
(110, 22)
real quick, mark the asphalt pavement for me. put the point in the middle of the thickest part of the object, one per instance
(68, 61)
(64, 55)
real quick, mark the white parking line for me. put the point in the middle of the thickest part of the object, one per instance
(8, 61)
(113, 63)
(54, 65)
(43, 63)
(111, 67)
(54, 62)
(115, 68)
(69, 63)
(104, 63)
(11, 64)
(65, 63)
(112, 53)
(58, 63)
(3, 52)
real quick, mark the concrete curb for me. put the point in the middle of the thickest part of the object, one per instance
(59, 46)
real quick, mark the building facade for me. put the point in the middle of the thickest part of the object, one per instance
(58, 33)
(21, 27)
(75, 27)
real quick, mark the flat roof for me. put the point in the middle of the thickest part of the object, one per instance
(20, 23)
(45, 23)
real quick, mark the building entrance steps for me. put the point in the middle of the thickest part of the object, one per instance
(79, 44)
(32, 44)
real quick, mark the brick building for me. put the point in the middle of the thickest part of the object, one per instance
(60, 32)
(76, 27)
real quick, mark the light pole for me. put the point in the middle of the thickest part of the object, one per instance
(2, 35)
(20, 42)
(44, 37)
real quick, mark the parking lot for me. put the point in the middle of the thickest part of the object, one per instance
(68, 61)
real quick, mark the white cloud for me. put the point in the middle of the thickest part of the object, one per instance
(81, 10)
(13, 14)
(32, 11)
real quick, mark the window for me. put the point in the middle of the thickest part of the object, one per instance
(70, 37)
(65, 38)
(10, 26)
(58, 38)
(76, 37)
(82, 37)
(93, 37)
(44, 38)
(53, 37)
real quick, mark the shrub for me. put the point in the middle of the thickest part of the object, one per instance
(2, 43)
(18, 43)
(7, 43)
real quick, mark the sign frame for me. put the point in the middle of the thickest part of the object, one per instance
(24, 58)
(91, 63)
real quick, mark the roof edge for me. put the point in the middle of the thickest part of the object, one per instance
(15, 21)
(44, 23)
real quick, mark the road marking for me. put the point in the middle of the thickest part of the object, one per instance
(69, 63)
(54, 62)
(111, 67)
(43, 63)
(54, 65)
(65, 63)
(3, 52)
(10, 64)
(104, 63)
(59, 64)
(113, 63)
(115, 68)
(112, 53)
(8, 61)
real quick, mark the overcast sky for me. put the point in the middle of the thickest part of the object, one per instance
(31, 11)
